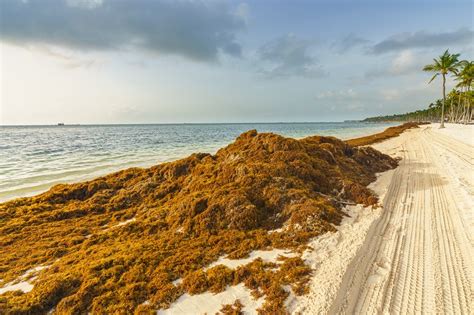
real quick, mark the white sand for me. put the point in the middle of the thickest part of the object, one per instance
(458, 162)
(23, 286)
(265, 255)
(417, 255)
(106, 228)
(413, 255)
(332, 252)
(23, 283)
(459, 132)
(126, 222)
(211, 303)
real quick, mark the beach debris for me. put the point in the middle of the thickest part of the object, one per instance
(171, 221)
(384, 135)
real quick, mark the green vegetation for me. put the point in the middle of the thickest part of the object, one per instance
(445, 64)
(186, 214)
(457, 106)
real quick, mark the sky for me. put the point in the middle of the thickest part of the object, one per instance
(154, 61)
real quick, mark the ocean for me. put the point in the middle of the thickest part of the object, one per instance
(34, 158)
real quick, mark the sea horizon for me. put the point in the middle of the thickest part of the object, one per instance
(60, 124)
(36, 157)
(236, 157)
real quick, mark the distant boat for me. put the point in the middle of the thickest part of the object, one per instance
(60, 124)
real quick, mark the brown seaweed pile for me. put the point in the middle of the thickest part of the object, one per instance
(111, 244)
(384, 135)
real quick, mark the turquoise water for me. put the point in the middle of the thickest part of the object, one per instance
(34, 158)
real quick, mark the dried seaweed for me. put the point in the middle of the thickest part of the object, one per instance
(386, 134)
(186, 214)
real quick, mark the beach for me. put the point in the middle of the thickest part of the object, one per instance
(416, 253)
(232, 157)
(412, 255)
(409, 253)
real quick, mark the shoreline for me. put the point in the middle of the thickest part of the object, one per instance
(261, 192)
(204, 123)
(331, 258)
(388, 133)
(26, 185)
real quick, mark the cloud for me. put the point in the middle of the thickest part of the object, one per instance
(390, 94)
(349, 42)
(338, 95)
(66, 59)
(86, 4)
(344, 99)
(193, 29)
(243, 11)
(423, 40)
(288, 56)
(404, 63)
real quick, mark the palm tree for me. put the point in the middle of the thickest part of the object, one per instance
(465, 77)
(445, 64)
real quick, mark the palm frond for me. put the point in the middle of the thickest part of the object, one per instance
(430, 68)
(436, 74)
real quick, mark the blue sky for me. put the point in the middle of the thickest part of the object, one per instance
(146, 61)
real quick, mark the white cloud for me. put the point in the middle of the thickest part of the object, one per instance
(338, 95)
(348, 43)
(403, 62)
(67, 59)
(390, 94)
(243, 11)
(289, 56)
(85, 4)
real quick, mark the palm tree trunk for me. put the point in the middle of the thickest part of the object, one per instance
(469, 107)
(459, 98)
(444, 101)
(466, 105)
(450, 115)
(464, 118)
(451, 110)
(471, 117)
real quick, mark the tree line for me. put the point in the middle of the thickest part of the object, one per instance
(456, 106)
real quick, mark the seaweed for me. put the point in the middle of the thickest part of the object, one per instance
(117, 243)
(232, 309)
(386, 134)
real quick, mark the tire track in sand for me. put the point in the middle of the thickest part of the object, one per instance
(417, 257)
